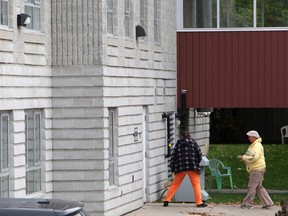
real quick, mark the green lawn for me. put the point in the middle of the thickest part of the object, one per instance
(276, 161)
(275, 177)
(237, 198)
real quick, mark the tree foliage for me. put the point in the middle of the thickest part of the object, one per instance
(239, 13)
(271, 13)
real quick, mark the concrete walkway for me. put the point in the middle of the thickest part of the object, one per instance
(182, 209)
(179, 209)
(240, 191)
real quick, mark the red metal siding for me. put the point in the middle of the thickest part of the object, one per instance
(233, 69)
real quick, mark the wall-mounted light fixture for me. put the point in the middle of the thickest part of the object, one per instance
(140, 32)
(136, 134)
(23, 19)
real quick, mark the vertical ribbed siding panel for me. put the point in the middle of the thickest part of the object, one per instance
(209, 68)
(85, 32)
(285, 99)
(242, 77)
(54, 33)
(90, 32)
(196, 87)
(59, 32)
(95, 30)
(79, 33)
(64, 34)
(268, 68)
(215, 66)
(235, 69)
(247, 69)
(281, 60)
(202, 67)
(74, 33)
(274, 69)
(69, 34)
(261, 68)
(222, 69)
(255, 69)
(189, 66)
(229, 70)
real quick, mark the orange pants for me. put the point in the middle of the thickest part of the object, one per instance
(195, 181)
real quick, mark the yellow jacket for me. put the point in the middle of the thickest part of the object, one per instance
(254, 157)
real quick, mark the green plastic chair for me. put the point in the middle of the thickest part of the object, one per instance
(218, 170)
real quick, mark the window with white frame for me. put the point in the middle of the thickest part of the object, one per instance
(33, 151)
(112, 146)
(143, 12)
(33, 9)
(127, 17)
(234, 13)
(156, 21)
(199, 13)
(4, 12)
(4, 159)
(271, 13)
(110, 16)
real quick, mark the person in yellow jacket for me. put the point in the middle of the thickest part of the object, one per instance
(255, 166)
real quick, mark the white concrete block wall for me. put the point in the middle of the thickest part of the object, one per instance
(78, 146)
(17, 152)
(91, 72)
(75, 28)
(90, 76)
(17, 155)
(25, 80)
(199, 128)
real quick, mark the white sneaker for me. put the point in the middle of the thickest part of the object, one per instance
(243, 206)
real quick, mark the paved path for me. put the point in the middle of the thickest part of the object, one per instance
(239, 191)
(182, 209)
(176, 209)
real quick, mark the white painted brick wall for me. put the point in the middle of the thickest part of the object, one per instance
(126, 84)
(19, 187)
(25, 84)
(199, 127)
(19, 160)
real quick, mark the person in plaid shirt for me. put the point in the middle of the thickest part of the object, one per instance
(185, 160)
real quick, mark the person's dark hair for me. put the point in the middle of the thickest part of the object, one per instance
(184, 134)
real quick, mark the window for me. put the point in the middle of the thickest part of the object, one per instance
(4, 160)
(156, 20)
(234, 13)
(112, 146)
(32, 8)
(110, 23)
(4, 12)
(33, 151)
(199, 13)
(143, 12)
(272, 13)
(127, 17)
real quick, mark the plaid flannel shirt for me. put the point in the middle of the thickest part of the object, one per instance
(186, 156)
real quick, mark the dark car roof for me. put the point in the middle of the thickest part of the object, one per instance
(13, 206)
